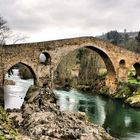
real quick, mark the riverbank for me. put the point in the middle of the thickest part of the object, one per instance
(129, 93)
(40, 118)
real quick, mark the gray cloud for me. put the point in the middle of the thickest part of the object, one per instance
(88, 16)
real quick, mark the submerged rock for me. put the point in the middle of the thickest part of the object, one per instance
(9, 82)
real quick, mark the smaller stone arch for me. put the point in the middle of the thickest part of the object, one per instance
(133, 73)
(8, 69)
(122, 63)
(110, 79)
(17, 83)
(122, 71)
(137, 68)
(44, 58)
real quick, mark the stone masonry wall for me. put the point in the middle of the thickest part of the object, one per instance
(28, 54)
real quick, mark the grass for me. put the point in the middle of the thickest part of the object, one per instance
(134, 81)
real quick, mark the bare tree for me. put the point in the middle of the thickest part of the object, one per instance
(4, 31)
(6, 34)
(17, 38)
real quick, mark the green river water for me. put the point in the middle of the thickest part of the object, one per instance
(118, 119)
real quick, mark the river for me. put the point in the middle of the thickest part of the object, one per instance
(120, 120)
(14, 94)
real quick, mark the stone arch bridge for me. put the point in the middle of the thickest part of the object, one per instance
(117, 60)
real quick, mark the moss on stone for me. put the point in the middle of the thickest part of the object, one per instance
(130, 92)
(124, 92)
(7, 130)
(104, 90)
(133, 100)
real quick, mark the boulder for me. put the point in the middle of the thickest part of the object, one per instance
(134, 100)
(42, 119)
(9, 82)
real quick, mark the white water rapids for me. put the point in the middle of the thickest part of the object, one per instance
(14, 94)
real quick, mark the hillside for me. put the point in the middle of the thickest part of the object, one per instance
(124, 39)
(130, 34)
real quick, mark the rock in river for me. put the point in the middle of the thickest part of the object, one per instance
(42, 120)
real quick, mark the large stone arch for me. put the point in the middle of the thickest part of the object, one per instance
(25, 64)
(107, 60)
(111, 72)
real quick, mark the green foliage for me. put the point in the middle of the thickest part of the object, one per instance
(80, 55)
(126, 90)
(89, 67)
(132, 78)
(134, 100)
(123, 92)
(128, 40)
(126, 37)
(74, 82)
(134, 81)
(138, 37)
(6, 126)
(85, 62)
(130, 74)
(132, 45)
(114, 37)
(104, 90)
(63, 71)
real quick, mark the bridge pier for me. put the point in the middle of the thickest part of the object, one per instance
(1, 75)
(122, 75)
(111, 84)
(43, 81)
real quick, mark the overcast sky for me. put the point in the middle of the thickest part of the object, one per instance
(42, 20)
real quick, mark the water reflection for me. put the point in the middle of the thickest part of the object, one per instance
(75, 101)
(118, 119)
(67, 103)
(122, 120)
